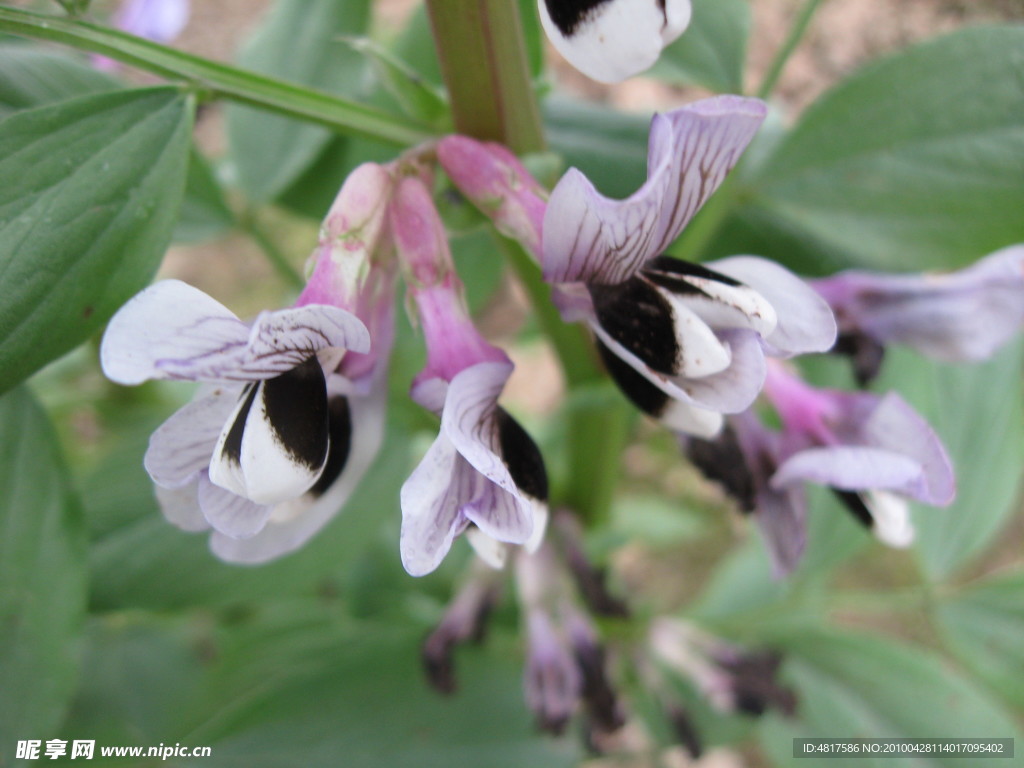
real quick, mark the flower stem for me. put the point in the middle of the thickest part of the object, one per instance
(483, 59)
(796, 34)
(215, 80)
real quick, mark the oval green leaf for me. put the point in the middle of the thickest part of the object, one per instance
(91, 192)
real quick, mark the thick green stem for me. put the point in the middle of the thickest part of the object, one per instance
(796, 34)
(219, 80)
(483, 59)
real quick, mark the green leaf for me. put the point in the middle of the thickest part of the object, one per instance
(309, 690)
(31, 76)
(854, 685)
(417, 97)
(712, 51)
(609, 147)
(139, 560)
(984, 625)
(978, 411)
(91, 193)
(204, 211)
(301, 42)
(910, 163)
(42, 575)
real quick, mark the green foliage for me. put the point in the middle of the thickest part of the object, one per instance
(92, 193)
(300, 42)
(853, 685)
(713, 51)
(42, 575)
(30, 77)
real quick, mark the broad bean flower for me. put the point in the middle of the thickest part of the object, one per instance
(483, 475)
(290, 414)
(610, 40)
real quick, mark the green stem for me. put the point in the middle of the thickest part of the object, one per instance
(705, 225)
(796, 34)
(219, 80)
(483, 59)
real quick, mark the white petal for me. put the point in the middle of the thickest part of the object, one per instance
(281, 340)
(491, 551)
(540, 525)
(691, 420)
(890, 517)
(431, 501)
(728, 306)
(850, 468)
(229, 513)
(805, 321)
(280, 537)
(182, 445)
(274, 445)
(168, 331)
(181, 506)
(734, 389)
(613, 39)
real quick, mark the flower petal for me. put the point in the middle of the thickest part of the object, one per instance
(734, 389)
(890, 518)
(182, 446)
(357, 430)
(610, 40)
(275, 445)
(169, 321)
(180, 506)
(782, 517)
(805, 321)
(230, 514)
(491, 551)
(851, 468)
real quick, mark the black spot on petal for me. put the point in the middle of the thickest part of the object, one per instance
(721, 461)
(640, 318)
(232, 450)
(569, 15)
(856, 506)
(521, 456)
(296, 404)
(340, 429)
(671, 274)
(644, 395)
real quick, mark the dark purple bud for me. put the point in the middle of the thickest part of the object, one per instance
(685, 730)
(590, 579)
(597, 693)
(464, 621)
(755, 686)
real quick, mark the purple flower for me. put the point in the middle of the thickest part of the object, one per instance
(291, 414)
(610, 40)
(956, 316)
(685, 342)
(874, 451)
(483, 474)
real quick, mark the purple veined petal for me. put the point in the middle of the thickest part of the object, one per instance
(429, 393)
(229, 513)
(573, 302)
(734, 389)
(591, 238)
(275, 444)
(852, 468)
(805, 320)
(158, 20)
(499, 514)
(431, 500)
(182, 446)
(895, 426)
(611, 40)
(284, 339)
(294, 523)
(469, 420)
(709, 137)
(181, 506)
(169, 321)
(890, 518)
(493, 552)
(782, 517)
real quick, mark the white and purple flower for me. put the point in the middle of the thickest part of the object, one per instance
(610, 40)
(483, 475)
(685, 342)
(874, 451)
(291, 414)
(954, 317)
